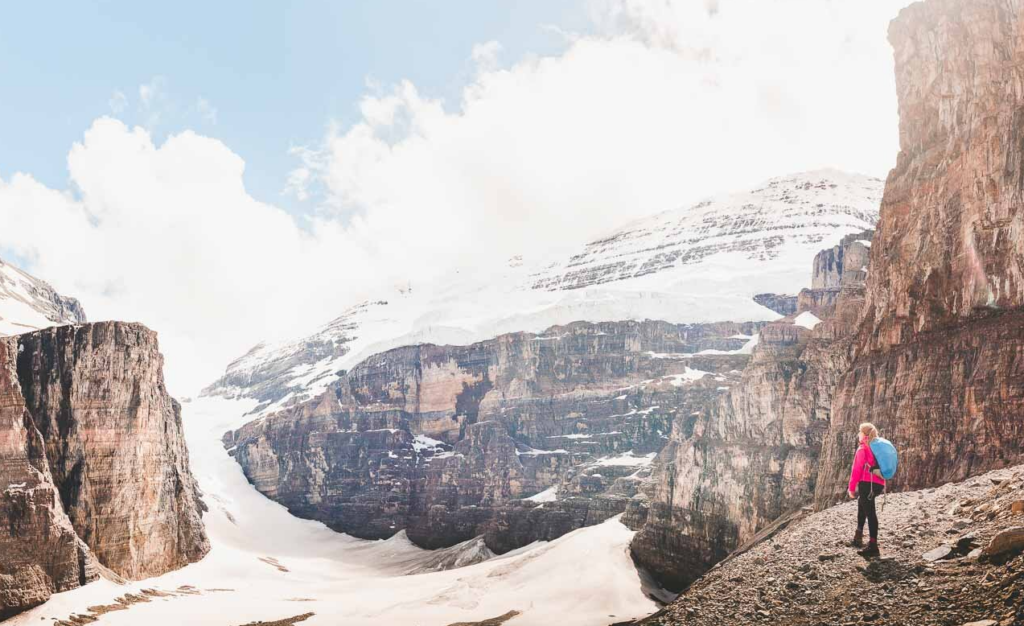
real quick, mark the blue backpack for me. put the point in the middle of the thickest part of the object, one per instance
(885, 456)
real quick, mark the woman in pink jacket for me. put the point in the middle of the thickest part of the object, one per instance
(866, 485)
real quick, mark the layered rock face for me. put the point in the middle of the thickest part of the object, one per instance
(93, 455)
(753, 455)
(938, 353)
(40, 554)
(781, 304)
(519, 438)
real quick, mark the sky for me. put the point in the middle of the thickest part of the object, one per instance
(228, 172)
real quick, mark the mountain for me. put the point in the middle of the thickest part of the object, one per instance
(762, 236)
(93, 463)
(519, 438)
(27, 303)
(530, 434)
(697, 264)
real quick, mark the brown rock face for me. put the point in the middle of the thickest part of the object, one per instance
(448, 442)
(92, 454)
(938, 352)
(753, 455)
(40, 553)
(115, 445)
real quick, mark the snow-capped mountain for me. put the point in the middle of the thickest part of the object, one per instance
(702, 263)
(783, 221)
(27, 303)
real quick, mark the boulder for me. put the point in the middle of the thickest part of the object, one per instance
(1007, 541)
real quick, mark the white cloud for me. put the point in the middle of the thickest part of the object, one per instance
(667, 103)
(154, 102)
(670, 102)
(168, 236)
(150, 92)
(118, 102)
(485, 55)
(206, 110)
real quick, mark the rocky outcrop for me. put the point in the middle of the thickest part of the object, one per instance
(93, 455)
(783, 305)
(40, 554)
(937, 354)
(844, 266)
(753, 455)
(803, 574)
(114, 443)
(518, 438)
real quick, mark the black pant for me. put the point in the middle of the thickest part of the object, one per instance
(866, 494)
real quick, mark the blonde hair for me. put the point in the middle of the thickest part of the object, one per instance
(867, 429)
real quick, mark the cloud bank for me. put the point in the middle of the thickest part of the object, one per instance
(662, 104)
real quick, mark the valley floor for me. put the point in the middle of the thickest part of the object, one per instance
(266, 565)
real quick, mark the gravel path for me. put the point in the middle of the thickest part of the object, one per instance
(805, 575)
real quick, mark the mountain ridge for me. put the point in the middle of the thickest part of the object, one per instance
(717, 284)
(28, 303)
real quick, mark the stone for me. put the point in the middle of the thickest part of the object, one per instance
(983, 622)
(938, 554)
(1017, 507)
(1009, 540)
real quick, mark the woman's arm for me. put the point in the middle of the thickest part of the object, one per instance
(855, 471)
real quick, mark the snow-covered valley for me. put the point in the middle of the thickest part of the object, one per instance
(592, 446)
(266, 564)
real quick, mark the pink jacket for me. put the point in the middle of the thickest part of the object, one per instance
(859, 472)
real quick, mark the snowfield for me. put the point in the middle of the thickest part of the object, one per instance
(266, 565)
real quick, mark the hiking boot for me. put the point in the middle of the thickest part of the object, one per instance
(870, 551)
(858, 540)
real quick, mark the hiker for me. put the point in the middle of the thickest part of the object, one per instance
(866, 483)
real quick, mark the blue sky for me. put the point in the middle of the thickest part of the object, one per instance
(275, 72)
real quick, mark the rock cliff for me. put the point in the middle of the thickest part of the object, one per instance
(94, 461)
(753, 455)
(518, 438)
(937, 355)
(41, 554)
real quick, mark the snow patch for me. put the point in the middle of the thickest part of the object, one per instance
(807, 320)
(548, 495)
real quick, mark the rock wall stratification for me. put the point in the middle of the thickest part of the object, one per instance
(938, 352)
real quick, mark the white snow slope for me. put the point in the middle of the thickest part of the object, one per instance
(27, 303)
(696, 264)
(584, 578)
